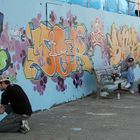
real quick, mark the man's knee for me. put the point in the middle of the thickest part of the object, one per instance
(9, 127)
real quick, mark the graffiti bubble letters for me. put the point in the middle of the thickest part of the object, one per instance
(122, 42)
(52, 53)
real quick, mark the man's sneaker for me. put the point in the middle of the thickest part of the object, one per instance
(24, 128)
(132, 91)
(128, 85)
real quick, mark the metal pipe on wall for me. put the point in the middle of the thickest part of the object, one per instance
(104, 5)
(128, 7)
(118, 6)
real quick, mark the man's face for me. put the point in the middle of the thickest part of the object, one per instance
(1, 86)
(129, 63)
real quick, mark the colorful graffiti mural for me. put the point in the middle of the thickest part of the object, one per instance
(13, 52)
(121, 42)
(60, 49)
(53, 54)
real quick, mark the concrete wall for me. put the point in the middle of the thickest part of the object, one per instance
(49, 48)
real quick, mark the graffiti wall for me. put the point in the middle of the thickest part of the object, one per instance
(50, 48)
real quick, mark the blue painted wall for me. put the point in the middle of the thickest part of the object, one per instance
(52, 61)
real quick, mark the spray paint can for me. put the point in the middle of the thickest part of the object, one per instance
(118, 96)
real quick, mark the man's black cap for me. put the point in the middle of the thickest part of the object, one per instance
(130, 59)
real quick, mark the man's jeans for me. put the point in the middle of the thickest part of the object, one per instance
(129, 75)
(12, 121)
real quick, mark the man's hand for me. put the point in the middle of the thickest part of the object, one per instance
(2, 109)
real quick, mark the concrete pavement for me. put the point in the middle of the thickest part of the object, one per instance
(86, 119)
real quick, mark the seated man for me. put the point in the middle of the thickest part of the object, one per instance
(127, 72)
(16, 104)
